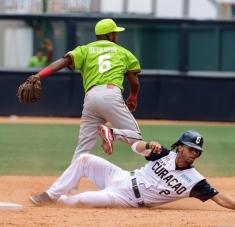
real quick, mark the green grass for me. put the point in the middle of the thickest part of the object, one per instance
(47, 149)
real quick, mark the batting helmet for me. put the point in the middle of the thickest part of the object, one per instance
(190, 138)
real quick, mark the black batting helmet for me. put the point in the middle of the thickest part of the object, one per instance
(190, 138)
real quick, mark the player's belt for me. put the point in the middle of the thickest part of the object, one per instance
(136, 190)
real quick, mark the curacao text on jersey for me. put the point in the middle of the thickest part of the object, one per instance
(169, 179)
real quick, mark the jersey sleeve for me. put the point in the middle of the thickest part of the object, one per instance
(203, 191)
(132, 62)
(77, 57)
(154, 156)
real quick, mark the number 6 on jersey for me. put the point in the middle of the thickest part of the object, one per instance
(104, 63)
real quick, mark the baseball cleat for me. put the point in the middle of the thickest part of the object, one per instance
(40, 199)
(107, 138)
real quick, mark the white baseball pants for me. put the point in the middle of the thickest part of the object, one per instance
(115, 184)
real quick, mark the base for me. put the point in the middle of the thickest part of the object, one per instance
(10, 206)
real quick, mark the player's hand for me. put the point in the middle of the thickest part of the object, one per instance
(154, 146)
(131, 103)
(30, 90)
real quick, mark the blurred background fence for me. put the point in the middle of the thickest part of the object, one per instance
(188, 64)
(202, 9)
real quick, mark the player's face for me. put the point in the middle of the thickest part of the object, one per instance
(188, 154)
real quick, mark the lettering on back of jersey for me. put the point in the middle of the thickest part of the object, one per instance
(100, 50)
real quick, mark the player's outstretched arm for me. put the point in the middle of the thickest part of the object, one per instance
(145, 149)
(55, 66)
(224, 201)
(30, 90)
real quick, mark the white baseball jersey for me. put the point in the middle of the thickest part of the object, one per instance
(162, 182)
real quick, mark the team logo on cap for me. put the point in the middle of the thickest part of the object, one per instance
(198, 140)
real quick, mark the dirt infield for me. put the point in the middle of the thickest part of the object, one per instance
(187, 212)
(62, 120)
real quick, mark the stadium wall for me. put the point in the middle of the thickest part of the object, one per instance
(163, 95)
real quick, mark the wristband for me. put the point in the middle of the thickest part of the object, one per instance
(45, 72)
(132, 97)
(145, 153)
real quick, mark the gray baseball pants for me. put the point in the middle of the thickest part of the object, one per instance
(104, 103)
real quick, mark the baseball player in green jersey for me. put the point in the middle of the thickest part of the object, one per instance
(103, 65)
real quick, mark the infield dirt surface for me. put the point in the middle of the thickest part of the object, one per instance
(186, 212)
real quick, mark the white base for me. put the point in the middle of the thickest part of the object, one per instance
(10, 206)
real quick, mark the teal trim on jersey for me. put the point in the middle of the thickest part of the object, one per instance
(103, 62)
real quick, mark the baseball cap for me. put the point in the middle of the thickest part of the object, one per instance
(106, 26)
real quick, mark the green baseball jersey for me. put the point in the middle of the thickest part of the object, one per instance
(103, 62)
(35, 62)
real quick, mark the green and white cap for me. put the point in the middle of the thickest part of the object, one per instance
(106, 26)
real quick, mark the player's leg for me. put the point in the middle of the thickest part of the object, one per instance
(96, 169)
(92, 198)
(117, 113)
(102, 198)
(88, 128)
